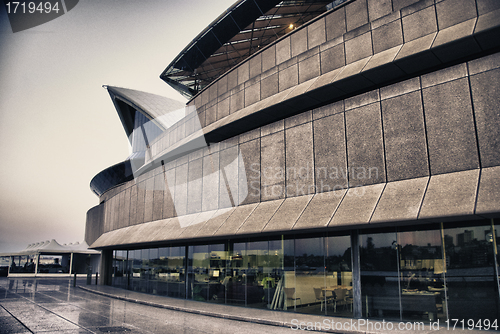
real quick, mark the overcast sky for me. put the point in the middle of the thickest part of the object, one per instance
(58, 126)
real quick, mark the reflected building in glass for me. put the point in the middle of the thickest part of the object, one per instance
(333, 158)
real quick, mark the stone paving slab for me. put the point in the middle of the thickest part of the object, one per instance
(293, 321)
(55, 306)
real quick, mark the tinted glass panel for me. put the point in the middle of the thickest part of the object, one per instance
(470, 274)
(421, 275)
(379, 275)
(338, 292)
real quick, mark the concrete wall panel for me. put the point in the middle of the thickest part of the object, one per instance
(236, 219)
(168, 198)
(269, 58)
(243, 72)
(228, 176)
(320, 209)
(211, 180)
(357, 206)
(298, 42)
(488, 195)
(273, 166)
(148, 208)
(269, 86)
(316, 33)
(141, 196)
(379, 8)
(256, 65)
(283, 51)
(419, 24)
(309, 68)
(358, 48)
(356, 14)
(288, 214)
(451, 12)
(387, 36)
(252, 94)
(335, 24)
(299, 160)
(260, 217)
(330, 153)
(332, 58)
(366, 161)
(133, 203)
(405, 142)
(195, 189)
(181, 191)
(450, 128)
(400, 201)
(486, 99)
(288, 77)
(450, 196)
(249, 172)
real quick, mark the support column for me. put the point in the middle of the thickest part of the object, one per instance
(71, 264)
(37, 262)
(356, 276)
(105, 269)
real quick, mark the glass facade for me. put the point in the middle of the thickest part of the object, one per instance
(425, 273)
(159, 271)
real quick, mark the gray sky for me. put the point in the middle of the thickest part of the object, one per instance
(58, 126)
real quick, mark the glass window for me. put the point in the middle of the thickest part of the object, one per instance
(207, 263)
(470, 272)
(152, 271)
(135, 258)
(309, 275)
(235, 280)
(337, 294)
(4, 265)
(441, 271)
(168, 271)
(421, 275)
(379, 275)
(49, 264)
(120, 278)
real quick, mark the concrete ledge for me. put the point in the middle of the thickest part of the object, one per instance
(469, 194)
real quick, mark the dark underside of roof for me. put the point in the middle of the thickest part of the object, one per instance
(244, 29)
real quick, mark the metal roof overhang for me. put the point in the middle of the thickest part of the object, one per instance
(242, 30)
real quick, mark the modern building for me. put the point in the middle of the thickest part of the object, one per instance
(337, 158)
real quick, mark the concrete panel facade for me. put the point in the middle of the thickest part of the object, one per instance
(366, 115)
(451, 123)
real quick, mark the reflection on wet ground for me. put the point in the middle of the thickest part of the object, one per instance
(53, 305)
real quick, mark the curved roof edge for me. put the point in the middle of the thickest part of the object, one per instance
(242, 30)
(159, 109)
(111, 177)
(162, 111)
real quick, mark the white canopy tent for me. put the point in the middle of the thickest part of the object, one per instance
(77, 257)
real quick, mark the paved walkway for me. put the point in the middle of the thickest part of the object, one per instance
(48, 305)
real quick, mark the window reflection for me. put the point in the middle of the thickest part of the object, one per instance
(421, 275)
(26, 264)
(338, 291)
(445, 271)
(120, 277)
(206, 268)
(379, 275)
(470, 274)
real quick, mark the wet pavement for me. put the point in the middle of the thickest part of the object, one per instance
(53, 305)
(29, 305)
